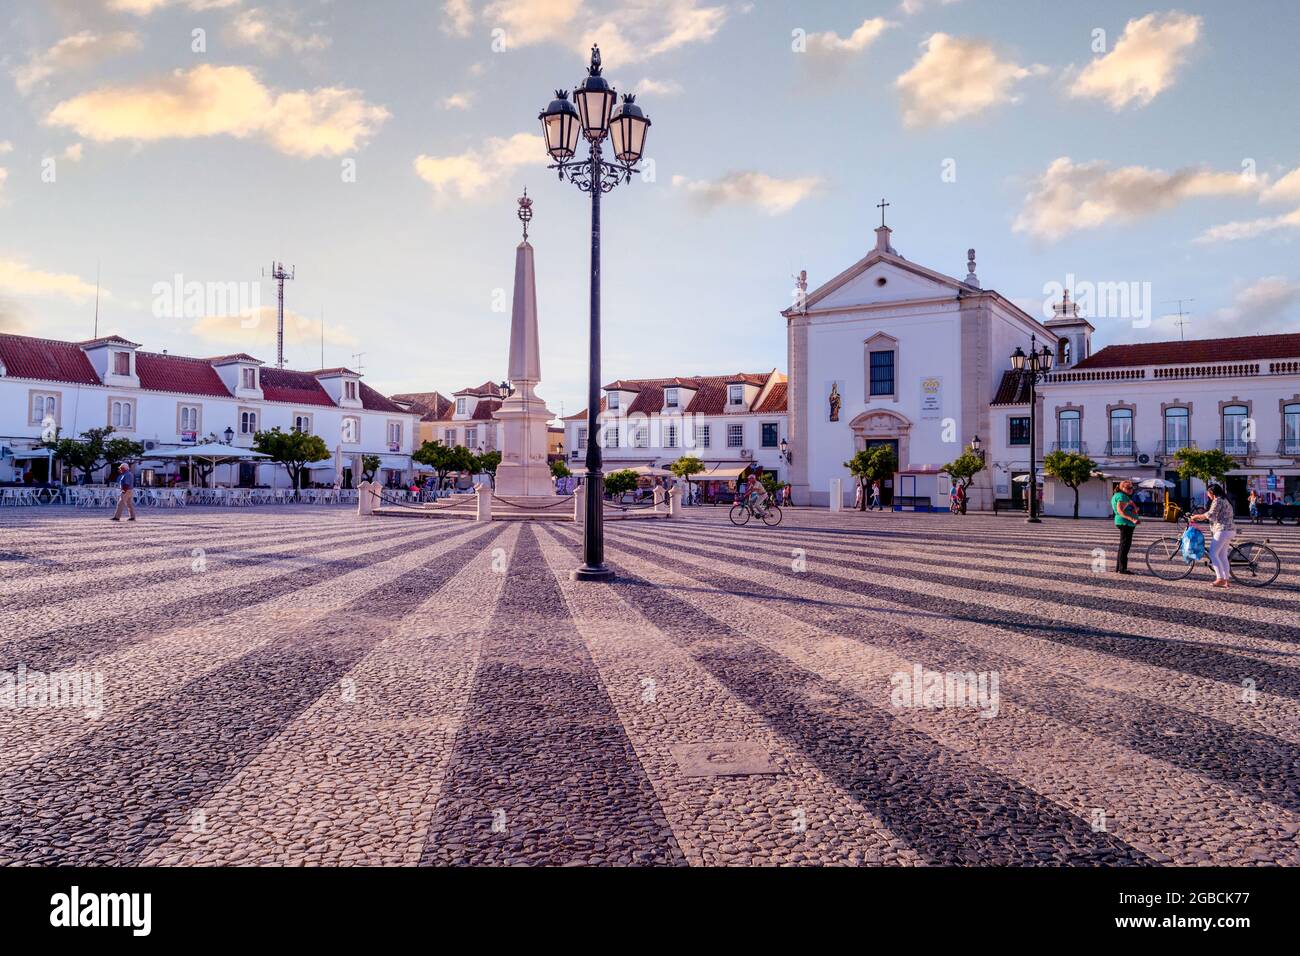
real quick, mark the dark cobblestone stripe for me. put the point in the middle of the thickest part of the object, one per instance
(109, 798)
(1171, 653)
(79, 641)
(1258, 765)
(950, 809)
(542, 744)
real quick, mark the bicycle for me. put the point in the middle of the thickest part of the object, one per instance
(766, 510)
(1250, 563)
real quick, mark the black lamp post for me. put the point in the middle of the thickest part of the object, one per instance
(594, 118)
(230, 435)
(785, 451)
(1035, 367)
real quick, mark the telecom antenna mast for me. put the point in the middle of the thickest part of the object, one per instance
(279, 275)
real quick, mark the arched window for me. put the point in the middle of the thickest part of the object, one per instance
(1177, 428)
(1121, 432)
(1237, 434)
(1291, 429)
(1069, 430)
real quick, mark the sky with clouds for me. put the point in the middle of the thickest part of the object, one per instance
(379, 147)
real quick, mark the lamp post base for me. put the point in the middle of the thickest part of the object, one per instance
(588, 573)
(1033, 521)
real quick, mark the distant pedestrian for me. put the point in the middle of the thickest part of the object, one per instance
(857, 498)
(875, 497)
(125, 481)
(1126, 520)
(1222, 529)
(1253, 503)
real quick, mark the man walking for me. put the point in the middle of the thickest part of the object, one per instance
(1126, 519)
(875, 497)
(125, 481)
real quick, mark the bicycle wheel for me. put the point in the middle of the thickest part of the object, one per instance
(1254, 565)
(772, 516)
(1165, 559)
(739, 515)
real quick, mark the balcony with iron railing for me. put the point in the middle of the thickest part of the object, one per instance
(1076, 447)
(1237, 448)
(1289, 447)
(1121, 449)
(1171, 447)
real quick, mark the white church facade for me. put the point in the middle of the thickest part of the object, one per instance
(890, 352)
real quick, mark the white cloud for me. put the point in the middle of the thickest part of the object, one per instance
(76, 52)
(1270, 304)
(271, 32)
(458, 101)
(73, 153)
(249, 331)
(4, 174)
(1285, 189)
(143, 8)
(1070, 197)
(1251, 228)
(1143, 61)
(830, 43)
(19, 278)
(6, 147)
(956, 78)
(227, 100)
(473, 172)
(911, 7)
(649, 87)
(458, 17)
(758, 190)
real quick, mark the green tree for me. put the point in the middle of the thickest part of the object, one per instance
(1210, 464)
(86, 454)
(444, 458)
(487, 462)
(873, 464)
(293, 449)
(118, 450)
(369, 466)
(686, 466)
(559, 469)
(1071, 469)
(619, 482)
(962, 471)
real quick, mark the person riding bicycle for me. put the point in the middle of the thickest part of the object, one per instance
(1222, 527)
(754, 492)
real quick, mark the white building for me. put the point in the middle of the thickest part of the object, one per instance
(465, 419)
(1131, 407)
(730, 422)
(890, 352)
(170, 401)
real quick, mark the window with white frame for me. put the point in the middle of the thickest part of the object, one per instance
(460, 406)
(735, 436)
(670, 398)
(302, 423)
(1291, 429)
(394, 433)
(350, 430)
(611, 435)
(121, 413)
(735, 395)
(1069, 430)
(582, 438)
(611, 401)
(670, 436)
(641, 438)
(350, 390)
(121, 363)
(247, 421)
(249, 377)
(471, 437)
(44, 405)
(187, 418)
(449, 437)
(705, 436)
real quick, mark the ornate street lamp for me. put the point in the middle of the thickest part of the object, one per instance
(785, 451)
(1035, 367)
(594, 115)
(230, 435)
(977, 447)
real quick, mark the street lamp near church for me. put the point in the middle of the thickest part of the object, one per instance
(595, 115)
(1034, 367)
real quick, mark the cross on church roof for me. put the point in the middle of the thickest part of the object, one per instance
(881, 206)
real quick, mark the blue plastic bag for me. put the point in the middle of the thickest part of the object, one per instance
(1192, 545)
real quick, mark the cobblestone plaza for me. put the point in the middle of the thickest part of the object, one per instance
(301, 686)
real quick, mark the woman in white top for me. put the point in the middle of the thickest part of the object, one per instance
(1222, 529)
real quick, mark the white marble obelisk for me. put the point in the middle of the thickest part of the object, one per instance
(524, 470)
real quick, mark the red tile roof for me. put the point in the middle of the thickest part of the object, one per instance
(709, 398)
(1243, 348)
(296, 388)
(484, 408)
(487, 389)
(105, 339)
(775, 401)
(430, 405)
(177, 373)
(237, 357)
(373, 401)
(26, 357)
(1013, 389)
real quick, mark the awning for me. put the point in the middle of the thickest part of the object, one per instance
(650, 471)
(720, 473)
(322, 466)
(34, 453)
(395, 462)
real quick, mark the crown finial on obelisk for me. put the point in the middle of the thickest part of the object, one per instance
(525, 211)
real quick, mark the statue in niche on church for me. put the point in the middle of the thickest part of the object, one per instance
(835, 401)
(801, 290)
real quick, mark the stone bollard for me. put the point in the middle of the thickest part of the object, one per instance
(659, 497)
(837, 495)
(579, 504)
(675, 502)
(484, 493)
(365, 504)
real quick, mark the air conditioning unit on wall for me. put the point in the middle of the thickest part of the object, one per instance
(1144, 459)
(746, 453)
